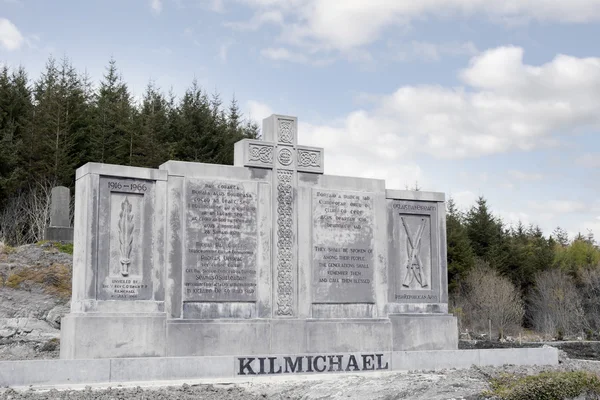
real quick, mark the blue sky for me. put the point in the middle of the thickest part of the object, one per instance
(468, 97)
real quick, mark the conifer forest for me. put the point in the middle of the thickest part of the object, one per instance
(50, 125)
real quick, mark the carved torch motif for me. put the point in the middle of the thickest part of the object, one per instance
(125, 235)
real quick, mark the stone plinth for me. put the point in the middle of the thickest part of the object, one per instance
(269, 256)
(245, 367)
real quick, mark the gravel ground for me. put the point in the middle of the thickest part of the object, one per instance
(30, 323)
(418, 385)
(588, 350)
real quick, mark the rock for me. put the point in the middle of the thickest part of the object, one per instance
(30, 314)
(7, 332)
(55, 315)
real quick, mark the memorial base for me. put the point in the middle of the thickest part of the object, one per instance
(230, 369)
(105, 335)
(221, 338)
(59, 234)
(87, 336)
(417, 332)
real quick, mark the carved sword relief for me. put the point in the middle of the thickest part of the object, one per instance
(125, 235)
(414, 265)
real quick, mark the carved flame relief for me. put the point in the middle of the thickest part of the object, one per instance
(125, 235)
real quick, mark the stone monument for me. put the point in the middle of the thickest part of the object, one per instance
(60, 228)
(269, 261)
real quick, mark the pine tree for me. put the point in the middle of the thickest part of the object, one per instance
(192, 124)
(151, 140)
(483, 229)
(82, 150)
(561, 236)
(39, 143)
(15, 111)
(112, 133)
(460, 253)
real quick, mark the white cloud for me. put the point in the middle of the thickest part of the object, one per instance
(428, 51)
(217, 5)
(504, 105)
(558, 206)
(464, 200)
(589, 160)
(591, 224)
(512, 218)
(162, 51)
(349, 152)
(508, 106)
(525, 176)
(284, 54)
(258, 111)
(258, 21)
(224, 50)
(10, 37)
(347, 24)
(156, 6)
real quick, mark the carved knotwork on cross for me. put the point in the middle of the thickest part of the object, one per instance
(280, 152)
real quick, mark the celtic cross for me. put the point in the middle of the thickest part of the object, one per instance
(279, 151)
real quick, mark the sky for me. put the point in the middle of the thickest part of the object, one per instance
(493, 98)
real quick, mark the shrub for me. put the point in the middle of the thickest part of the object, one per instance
(555, 304)
(589, 291)
(545, 386)
(488, 296)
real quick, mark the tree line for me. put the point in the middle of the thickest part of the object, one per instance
(515, 276)
(54, 124)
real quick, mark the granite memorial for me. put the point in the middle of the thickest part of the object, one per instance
(269, 261)
(60, 228)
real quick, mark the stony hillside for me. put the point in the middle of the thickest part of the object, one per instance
(35, 289)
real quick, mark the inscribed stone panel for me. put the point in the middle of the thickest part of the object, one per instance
(221, 241)
(414, 251)
(342, 246)
(126, 213)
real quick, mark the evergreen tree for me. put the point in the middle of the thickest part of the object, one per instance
(38, 151)
(15, 111)
(485, 232)
(460, 253)
(192, 125)
(112, 138)
(561, 236)
(151, 140)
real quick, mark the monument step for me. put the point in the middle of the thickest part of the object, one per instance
(243, 368)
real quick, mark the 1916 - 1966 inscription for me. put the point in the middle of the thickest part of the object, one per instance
(342, 246)
(128, 272)
(221, 241)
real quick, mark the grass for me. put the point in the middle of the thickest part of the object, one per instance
(55, 280)
(6, 249)
(544, 386)
(62, 247)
